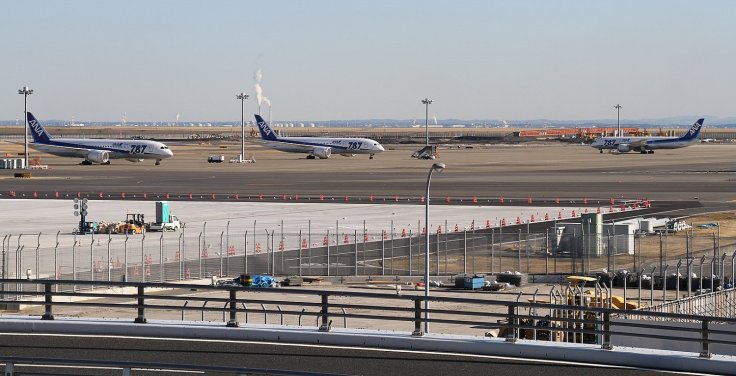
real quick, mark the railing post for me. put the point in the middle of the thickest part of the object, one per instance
(325, 325)
(511, 335)
(233, 323)
(417, 318)
(705, 352)
(606, 345)
(9, 369)
(47, 315)
(141, 319)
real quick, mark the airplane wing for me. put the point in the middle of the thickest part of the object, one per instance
(299, 147)
(638, 144)
(65, 150)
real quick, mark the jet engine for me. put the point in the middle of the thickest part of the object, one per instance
(624, 148)
(98, 156)
(322, 152)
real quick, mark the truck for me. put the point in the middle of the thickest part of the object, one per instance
(165, 221)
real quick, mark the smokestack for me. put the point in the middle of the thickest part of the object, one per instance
(268, 103)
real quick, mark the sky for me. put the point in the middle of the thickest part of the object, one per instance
(375, 59)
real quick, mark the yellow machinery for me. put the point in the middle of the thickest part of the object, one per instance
(134, 224)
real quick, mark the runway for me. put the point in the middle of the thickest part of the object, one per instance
(703, 172)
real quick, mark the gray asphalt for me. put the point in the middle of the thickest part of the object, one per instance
(703, 172)
(350, 361)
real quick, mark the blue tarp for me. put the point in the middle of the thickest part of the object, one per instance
(262, 281)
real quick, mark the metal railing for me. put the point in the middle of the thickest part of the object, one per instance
(513, 319)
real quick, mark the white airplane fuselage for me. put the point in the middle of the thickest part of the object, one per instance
(338, 145)
(646, 145)
(116, 148)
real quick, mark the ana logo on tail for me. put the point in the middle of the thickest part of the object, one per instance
(39, 133)
(695, 128)
(264, 128)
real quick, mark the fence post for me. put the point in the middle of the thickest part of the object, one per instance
(606, 345)
(143, 258)
(325, 325)
(141, 319)
(417, 318)
(233, 323)
(705, 352)
(511, 335)
(48, 304)
(161, 263)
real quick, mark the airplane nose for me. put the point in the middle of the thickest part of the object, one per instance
(379, 147)
(169, 153)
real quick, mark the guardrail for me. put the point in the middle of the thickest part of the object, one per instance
(514, 319)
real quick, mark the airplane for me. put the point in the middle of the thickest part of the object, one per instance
(317, 147)
(95, 150)
(647, 145)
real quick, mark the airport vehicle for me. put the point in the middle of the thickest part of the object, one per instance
(134, 224)
(427, 152)
(171, 224)
(317, 147)
(647, 145)
(165, 221)
(98, 151)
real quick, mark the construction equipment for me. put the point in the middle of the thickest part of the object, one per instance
(427, 152)
(134, 224)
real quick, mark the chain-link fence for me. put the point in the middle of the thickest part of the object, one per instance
(201, 253)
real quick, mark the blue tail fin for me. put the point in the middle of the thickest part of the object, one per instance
(266, 132)
(694, 131)
(38, 132)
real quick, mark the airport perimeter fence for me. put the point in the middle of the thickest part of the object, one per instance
(663, 261)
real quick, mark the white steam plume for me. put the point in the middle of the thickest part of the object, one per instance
(257, 76)
(435, 119)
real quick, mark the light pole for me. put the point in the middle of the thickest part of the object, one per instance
(618, 119)
(426, 103)
(25, 91)
(435, 167)
(242, 97)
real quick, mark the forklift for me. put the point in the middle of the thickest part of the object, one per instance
(134, 224)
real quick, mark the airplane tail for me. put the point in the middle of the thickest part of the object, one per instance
(694, 131)
(266, 132)
(38, 132)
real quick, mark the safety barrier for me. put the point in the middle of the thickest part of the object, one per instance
(514, 319)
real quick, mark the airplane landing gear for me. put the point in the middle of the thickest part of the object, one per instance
(158, 162)
(310, 156)
(371, 157)
(601, 151)
(650, 152)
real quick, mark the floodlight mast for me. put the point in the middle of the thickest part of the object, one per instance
(25, 92)
(618, 119)
(242, 97)
(426, 102)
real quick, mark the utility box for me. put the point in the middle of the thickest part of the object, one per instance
(460, 280)
(163, 214)
(474, 283)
